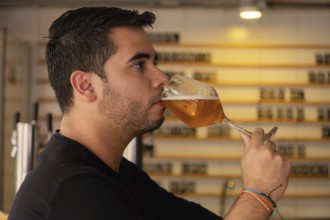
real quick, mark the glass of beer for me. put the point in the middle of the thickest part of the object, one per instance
(197, 104)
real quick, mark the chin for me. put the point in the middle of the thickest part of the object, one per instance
(157, 124)
(160, 122)
(152, 126)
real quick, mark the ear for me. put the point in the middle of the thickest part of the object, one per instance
(82, 85)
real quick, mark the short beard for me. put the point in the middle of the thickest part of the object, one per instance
(135, 120)
(150, 127)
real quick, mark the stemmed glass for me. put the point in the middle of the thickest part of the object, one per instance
(197, 104)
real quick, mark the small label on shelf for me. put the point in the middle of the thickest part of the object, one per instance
(291, 151)
(171, 73)
(326, 131)
(322, 58)
(176, 130)
(184, 57)
(272, 94)
(323, 114)
(281, 113)
(159, 167)
(205, 76)
(194, 168)
(319, 77)
(218, 131)
(310, 170)
(166, 37)
(297, 95)
(182, 186)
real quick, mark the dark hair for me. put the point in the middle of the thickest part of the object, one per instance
(80, 40)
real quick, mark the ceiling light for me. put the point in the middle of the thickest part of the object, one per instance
(250, 13)
(251, 9)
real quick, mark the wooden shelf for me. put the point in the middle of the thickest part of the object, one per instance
(223, 139)
(232, 65)
(228, 139)
(267, 84)
(277, 103)
(233, 195)
(245, 84)
(265, 121)
(271, 122)
(175, 176)
(244, 65)
(219, 158)
(43, 43)
(47, 100)
(195, 176)
(242, 46)
(236, 102)
(282, 122)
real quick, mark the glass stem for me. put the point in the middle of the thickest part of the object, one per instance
(235, 126)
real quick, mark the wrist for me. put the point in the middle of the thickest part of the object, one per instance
(273, 193)
(256, 205)
(264, 200)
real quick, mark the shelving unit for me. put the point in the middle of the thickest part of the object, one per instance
(219, 156)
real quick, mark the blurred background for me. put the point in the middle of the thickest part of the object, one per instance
(270, 68)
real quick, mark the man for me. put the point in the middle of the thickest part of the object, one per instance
(104, 71)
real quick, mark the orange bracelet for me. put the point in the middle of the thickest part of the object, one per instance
(261, 200)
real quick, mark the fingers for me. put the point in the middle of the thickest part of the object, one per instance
(257, 138)
(257, 141)
(271, 145)
(246, 140)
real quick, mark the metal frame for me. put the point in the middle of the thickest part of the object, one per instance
(2, 82)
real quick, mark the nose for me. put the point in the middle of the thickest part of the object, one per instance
(160, 79)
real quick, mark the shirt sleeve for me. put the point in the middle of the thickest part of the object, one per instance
(165, 205)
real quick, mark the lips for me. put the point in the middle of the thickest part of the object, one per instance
(160, 102)
(157, 101)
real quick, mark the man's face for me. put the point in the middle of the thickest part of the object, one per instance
(131, 95)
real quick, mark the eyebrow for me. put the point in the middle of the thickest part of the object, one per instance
(139, 56)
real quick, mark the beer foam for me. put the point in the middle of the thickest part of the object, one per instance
(190, 97)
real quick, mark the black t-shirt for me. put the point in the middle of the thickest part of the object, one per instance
(71, 183)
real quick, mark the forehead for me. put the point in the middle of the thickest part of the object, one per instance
(128, 38)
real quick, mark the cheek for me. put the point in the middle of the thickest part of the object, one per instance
(130, 89)
(137, 90)
(126, 97)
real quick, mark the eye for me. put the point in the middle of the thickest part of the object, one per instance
(139, 65)
(156, 62)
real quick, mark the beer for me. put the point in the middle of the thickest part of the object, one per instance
(197, 104)
(195, 111)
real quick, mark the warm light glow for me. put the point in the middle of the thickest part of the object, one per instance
(250, 14)
(238, 33)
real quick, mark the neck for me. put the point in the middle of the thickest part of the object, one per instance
(104, 142)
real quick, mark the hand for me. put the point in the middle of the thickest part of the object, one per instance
(262, 167)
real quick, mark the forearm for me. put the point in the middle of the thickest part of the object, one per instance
(248, 208)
